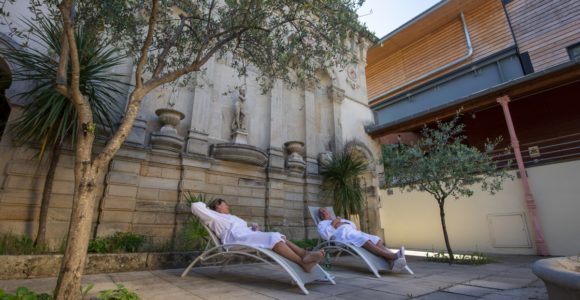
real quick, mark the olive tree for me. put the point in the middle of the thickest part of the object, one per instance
(286, 40)
(441, 164)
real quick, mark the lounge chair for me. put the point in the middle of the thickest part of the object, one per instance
(228, 251)
(374, 263)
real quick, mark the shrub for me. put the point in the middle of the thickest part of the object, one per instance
(20, 245)
(118, 242)
(192, 235)
(23, 293)
(306, 244)
(121, 293)
(475, 258)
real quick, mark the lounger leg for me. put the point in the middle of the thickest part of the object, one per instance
(191, 266)
(409, 270)
(304, 290)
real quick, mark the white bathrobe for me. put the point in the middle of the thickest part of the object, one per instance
(233, 230)
(345, 233)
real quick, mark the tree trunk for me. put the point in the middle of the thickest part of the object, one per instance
(444, 227)
(87, 170)
(45, 203)
(73, 264)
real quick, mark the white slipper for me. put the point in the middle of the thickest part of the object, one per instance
(399, 265)
(401, 252)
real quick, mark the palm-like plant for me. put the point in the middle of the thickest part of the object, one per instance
(341, 182)
(50, 118)
(193, 235)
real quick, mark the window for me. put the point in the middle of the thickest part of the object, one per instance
(574, 51)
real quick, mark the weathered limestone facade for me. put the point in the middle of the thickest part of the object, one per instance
(264, 181)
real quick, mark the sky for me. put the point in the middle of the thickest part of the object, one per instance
(388, 15)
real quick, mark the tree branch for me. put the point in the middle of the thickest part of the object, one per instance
(146, 44)
(161, 60)
(73, 91)
(61, 78)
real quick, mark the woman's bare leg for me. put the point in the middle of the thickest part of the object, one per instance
(307, 256)
(285, 251)
(301, 252)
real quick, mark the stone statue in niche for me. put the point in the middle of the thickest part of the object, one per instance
(239, 120)
(239, 132)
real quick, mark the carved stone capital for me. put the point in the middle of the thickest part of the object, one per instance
(335, 94)
(503, 100)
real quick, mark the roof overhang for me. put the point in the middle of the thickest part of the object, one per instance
(422, 25)
(517, 89)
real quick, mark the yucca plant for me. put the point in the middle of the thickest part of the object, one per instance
(193, 235)
(49, 119)
(341, 182)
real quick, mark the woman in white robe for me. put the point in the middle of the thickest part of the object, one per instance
(345, 231)
(233, 230)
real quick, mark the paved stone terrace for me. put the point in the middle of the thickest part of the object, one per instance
(509, 277)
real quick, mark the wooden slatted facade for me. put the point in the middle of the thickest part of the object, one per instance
(520, 54)
(545, 29)
(389, 67)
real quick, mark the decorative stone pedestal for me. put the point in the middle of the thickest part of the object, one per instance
(138, 133)
(166, 138)
(240, 136)
(197, 143)
(324, 158)
(247, 154)
(295, 162)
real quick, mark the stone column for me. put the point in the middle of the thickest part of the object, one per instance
(277, 116)
(336, 95)
(275, 176)
(197, 137)
(310, 124)
(311, 182)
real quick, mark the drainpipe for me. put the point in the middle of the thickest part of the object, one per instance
(467, 55)
(541, 247)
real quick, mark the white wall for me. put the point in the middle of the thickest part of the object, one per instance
(491, 223)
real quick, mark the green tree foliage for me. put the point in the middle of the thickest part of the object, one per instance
(341, 182)
(441, 164)
(286, 40)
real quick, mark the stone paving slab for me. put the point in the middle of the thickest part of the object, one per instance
(508, 278)
(469, 290)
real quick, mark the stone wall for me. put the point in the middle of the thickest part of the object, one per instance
(183, 141)
(143, 192)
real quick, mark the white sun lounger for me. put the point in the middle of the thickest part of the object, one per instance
(374, 263)
(229, 251)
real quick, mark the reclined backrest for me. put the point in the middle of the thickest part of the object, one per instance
(214, 239)
(314, 213)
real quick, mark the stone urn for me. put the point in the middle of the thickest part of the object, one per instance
(561, 276)
(166, 138)
(169, 119)
(295, 162)
(294, 147)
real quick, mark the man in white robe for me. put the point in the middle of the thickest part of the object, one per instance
(233, 230)
(345, 231)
